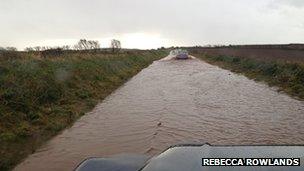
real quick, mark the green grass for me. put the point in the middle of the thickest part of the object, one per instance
(40, 97)
(289, 77)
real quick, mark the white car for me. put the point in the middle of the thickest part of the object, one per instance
(179, 54)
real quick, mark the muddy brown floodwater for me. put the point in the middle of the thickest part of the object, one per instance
(174, 102)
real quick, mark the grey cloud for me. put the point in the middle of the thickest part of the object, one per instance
(188, 22)
(291, 3)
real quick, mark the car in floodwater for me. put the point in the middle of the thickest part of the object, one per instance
(180, 54)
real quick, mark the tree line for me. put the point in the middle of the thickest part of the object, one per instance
(8, 49)
(82, 44)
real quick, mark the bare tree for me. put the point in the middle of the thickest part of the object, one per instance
(93, 44)
(80, 45)
(29, 49)
(11, 48)
(66, 47)
(115, 45)
(84, 44)
(37, 48)
(96, 44)
(76, 47)
(8, 49)
(2, 49)
(45, 48)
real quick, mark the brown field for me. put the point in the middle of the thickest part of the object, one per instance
(268, 54)
(278, 65)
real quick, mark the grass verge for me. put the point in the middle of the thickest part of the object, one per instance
(288, 77)
(41, 97)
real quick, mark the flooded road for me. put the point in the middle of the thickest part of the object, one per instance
(174, 102)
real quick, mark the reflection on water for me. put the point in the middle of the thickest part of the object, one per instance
(173, 102)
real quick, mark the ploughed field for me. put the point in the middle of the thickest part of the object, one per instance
(278, 65)
(264, 54)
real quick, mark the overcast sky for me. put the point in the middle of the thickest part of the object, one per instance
(151, 23)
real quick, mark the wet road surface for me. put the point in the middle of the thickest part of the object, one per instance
(174, 102)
